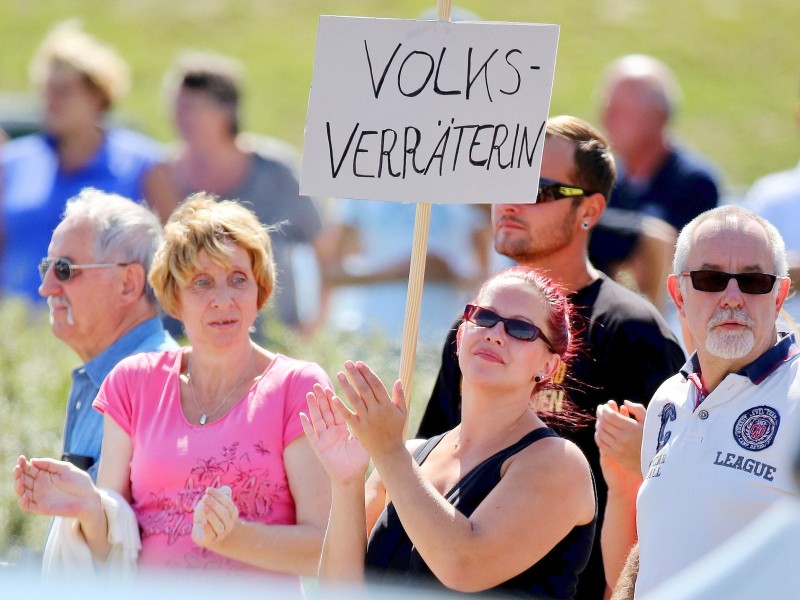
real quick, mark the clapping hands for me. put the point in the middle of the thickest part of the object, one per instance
(376, 421)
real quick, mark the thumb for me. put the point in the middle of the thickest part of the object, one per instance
(399, 396)
(636, 410)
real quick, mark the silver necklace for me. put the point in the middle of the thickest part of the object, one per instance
(204, 416)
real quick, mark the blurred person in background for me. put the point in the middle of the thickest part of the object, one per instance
(94, 278)
(776, 197)
(182, 424)
(657, 177)
(204, 92)
(80, 80)
(368, 261)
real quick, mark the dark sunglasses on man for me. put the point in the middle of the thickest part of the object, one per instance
(716, 281)
(551, 190)
(64, 269)
(516, 328)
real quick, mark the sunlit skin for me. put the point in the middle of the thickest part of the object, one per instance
(219, 303)
(199, 119)
(490, 357)
(87, 321)
(632, 118)
(739, 248)
(71, 104)
(549, 236)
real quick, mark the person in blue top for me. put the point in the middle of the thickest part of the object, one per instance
(94, 278)
(80, 80)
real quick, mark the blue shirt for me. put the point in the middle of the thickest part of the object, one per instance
(35, 190)
(684, 186)
(83, 429)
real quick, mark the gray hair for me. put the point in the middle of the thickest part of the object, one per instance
(124, 230)
(730, 215)
(656, 80)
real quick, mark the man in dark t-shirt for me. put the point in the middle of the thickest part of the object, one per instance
(627, 349)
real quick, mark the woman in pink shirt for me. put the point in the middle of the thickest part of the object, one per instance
(220, 413)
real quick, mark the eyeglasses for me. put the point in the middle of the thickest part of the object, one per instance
(64, 270)
(551, 190)
(716, 281)
(516, 328)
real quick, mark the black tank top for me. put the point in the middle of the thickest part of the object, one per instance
(392, 558)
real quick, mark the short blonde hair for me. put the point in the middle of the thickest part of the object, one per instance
(68, 44)
(202, 222)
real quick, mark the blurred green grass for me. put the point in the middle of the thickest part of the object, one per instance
(737, 60)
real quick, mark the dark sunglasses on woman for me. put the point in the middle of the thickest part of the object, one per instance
(516, 328)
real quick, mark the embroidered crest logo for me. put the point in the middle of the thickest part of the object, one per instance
(756, 427)
(667, 414)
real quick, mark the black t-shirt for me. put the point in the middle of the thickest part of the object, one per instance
(627, 351)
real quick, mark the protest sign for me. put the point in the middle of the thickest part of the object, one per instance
(427, 111)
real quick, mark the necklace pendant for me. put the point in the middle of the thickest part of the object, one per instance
(203, 419)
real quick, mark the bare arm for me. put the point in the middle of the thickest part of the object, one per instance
(345, 461)
(619, 438)
(160, 191)
(285, 548)
(480, 551)
(52, 487)
(626, 586)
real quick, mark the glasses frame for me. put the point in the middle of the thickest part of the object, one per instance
(72, 269)
(469, 315)
(742, 280)
(551, 190)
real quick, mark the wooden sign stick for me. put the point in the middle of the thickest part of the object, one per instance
(416, 275)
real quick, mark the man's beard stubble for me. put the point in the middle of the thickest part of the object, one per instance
(537, 245)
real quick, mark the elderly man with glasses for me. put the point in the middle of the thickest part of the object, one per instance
(101, 305)
(721, 436)
(626, 349)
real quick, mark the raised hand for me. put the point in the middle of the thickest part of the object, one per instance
(52, 487)
(378, 420)
(618, 435)
(342, 455)
(215, 517)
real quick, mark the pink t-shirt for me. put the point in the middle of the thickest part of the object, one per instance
(174, 461)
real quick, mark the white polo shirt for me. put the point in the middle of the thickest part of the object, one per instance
(709, 470)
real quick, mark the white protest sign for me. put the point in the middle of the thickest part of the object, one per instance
(428, 111)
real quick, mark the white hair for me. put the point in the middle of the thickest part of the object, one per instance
(729, 216)
(124, 230)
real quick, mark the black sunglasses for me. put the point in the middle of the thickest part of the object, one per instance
(716, 281)
(516, 328)
(64, 270)
(551, 190)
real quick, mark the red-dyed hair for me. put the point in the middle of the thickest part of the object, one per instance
(559, 329)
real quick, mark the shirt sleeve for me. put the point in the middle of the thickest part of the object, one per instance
(114, 397)
(302, 383)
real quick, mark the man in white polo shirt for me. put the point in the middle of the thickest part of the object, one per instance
(720, 437)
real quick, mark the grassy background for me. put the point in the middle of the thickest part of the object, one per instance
(737, 60)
